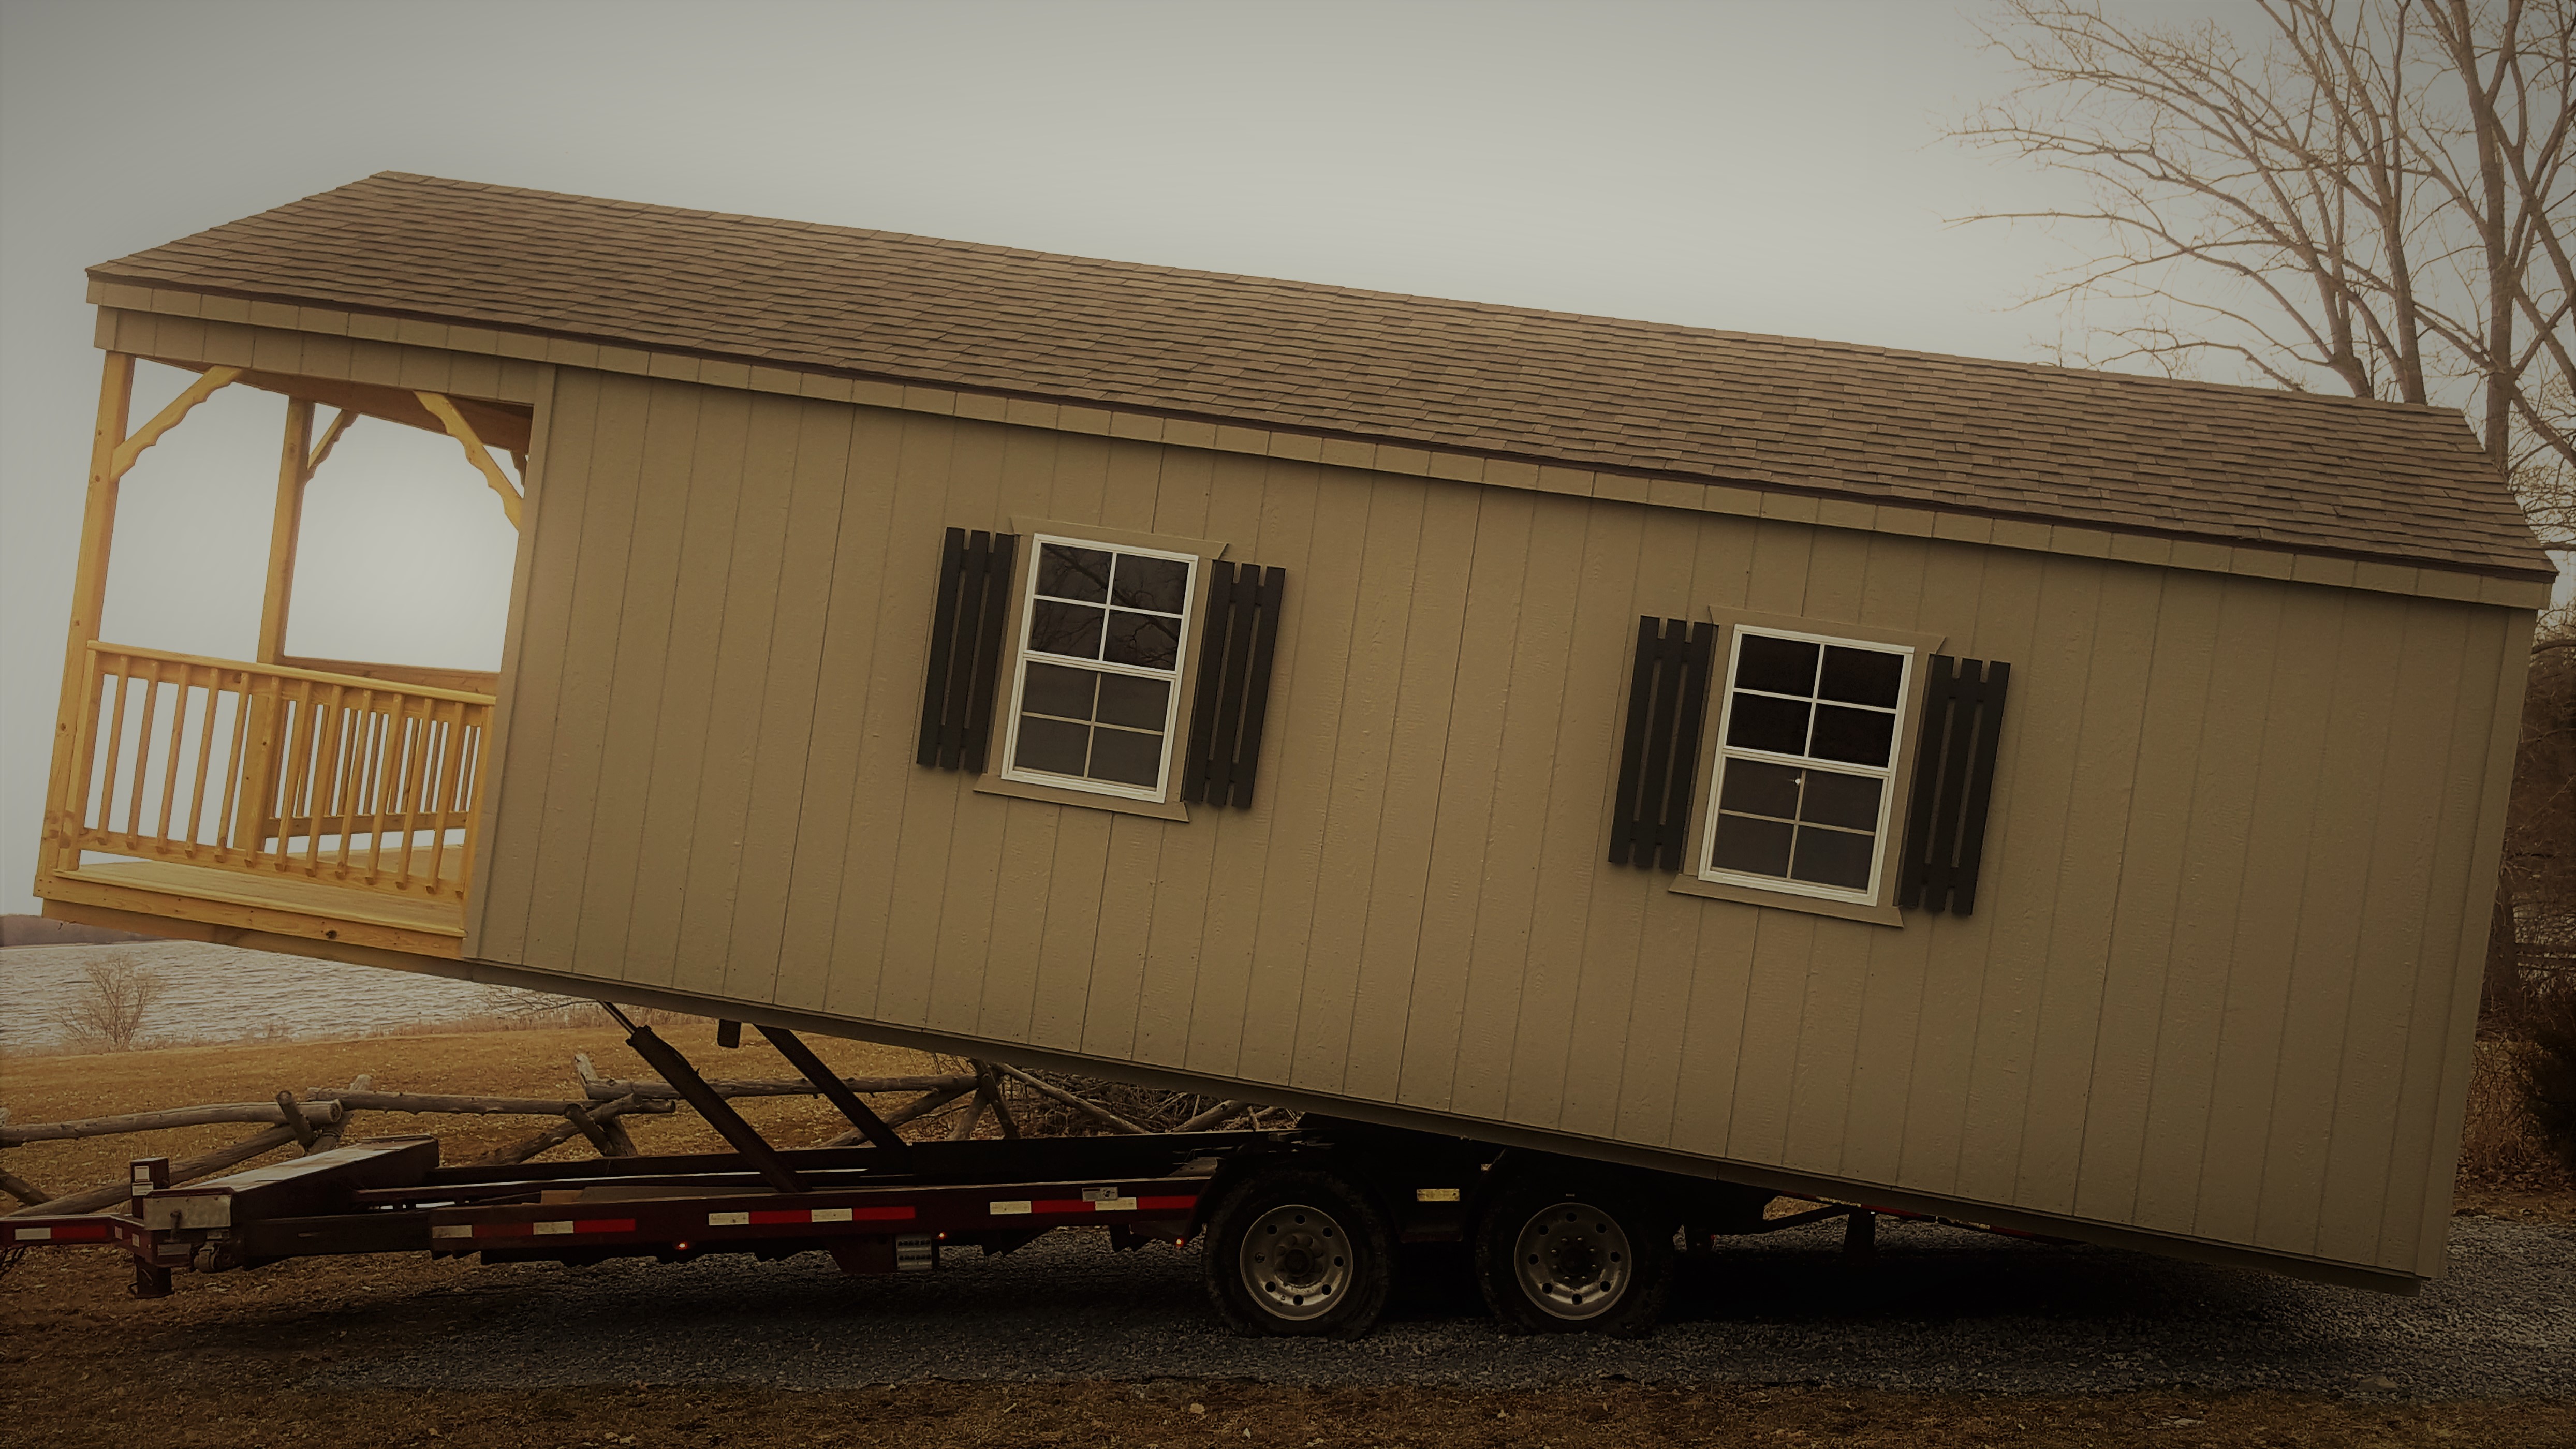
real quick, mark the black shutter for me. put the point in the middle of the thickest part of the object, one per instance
(1954, 774)
(966, 649)
(1236, 637)
(1659, 764)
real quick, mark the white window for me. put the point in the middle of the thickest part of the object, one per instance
(1803, 793)
(1096, 695)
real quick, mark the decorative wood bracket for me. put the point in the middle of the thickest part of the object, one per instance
(166, 419)
(475, 453)
(330, 437)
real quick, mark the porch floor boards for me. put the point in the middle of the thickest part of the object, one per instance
(272, 895)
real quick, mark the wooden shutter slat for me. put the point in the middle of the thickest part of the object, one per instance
(1632, 747)
(1240, 634)
(943, 639)
(966, 649)
(1268, 596)
(1214, 620)
(1659, 752)
(1954, 768)
(1650, 846)
(1682, 792)
(988, 649)
(1981, 785)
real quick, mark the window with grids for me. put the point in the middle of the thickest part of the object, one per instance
(1097, 692)
(1806, 764)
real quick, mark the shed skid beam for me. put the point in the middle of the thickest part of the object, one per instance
(675, 1069)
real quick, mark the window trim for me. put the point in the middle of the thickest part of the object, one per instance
(1878, 904)
(1000, 777)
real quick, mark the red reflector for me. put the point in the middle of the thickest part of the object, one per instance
(881, 1215)
(604, 1225)
(1160, 1204)
(505, 1230)
(81, 1233)
(789, 1215)
(1061, 1205)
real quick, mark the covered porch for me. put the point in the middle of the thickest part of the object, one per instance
(332, 800)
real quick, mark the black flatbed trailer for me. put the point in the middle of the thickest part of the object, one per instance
(1300, 1225)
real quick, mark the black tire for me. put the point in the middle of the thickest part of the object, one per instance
(1297, 1252)
(1560, 1257)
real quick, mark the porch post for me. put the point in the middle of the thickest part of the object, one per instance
(253, 824)
(285, 526)
(89, 598)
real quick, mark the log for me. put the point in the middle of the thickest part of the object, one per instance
(966, 1125)
(988, 1085)
(315, 1113)
(21, 1189)
(912, 1111)
(562, 1132)
(293, 1115)
(605, 1088)
(1222, 1112)
(338, 1132)
(111, 1193)
(465, 1106)
(1078, 1104)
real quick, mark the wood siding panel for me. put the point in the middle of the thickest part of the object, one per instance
(1394, 952)
(757, 593)
(1363, 753)
(851, 717)
(1542, 653)
(2363, 1157)
(702, 587)
(2266, 934)
(1454, 885)
(2090, 873)
(2139, 953)
(2228, 754)
(1574, 842)
(559, 486)
(810, 578)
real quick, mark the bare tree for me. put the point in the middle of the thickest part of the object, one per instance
(114, 996)
(2371, 194)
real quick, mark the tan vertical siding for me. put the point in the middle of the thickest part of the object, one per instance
(2203, 991)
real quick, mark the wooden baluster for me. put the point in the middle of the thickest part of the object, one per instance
(367, 770)
(416, 760)
(303, 733)
(330, 745)
(142, 755)
(170, 767)
(470, 796)
(229, 842)
(205, 758)
(115, 751)
(451, 767)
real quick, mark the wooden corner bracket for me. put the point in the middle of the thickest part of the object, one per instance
(475, 453)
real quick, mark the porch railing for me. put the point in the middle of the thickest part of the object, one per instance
(271, 770)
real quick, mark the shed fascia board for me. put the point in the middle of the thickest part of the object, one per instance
(1750, 496)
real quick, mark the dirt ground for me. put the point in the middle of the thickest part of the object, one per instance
(82, 1364)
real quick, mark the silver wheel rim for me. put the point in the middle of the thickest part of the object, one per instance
(1296, 1261)
(1572, 1260)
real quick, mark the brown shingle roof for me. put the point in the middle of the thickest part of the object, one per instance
(2335, 475)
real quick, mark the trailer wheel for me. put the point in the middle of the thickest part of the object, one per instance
(1554, 1258)
(1298, 1252)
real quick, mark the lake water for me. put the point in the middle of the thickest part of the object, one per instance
(226, 993)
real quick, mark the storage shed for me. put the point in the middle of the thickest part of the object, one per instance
(2057, 800)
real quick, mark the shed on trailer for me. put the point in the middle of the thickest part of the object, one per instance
(2056, 800)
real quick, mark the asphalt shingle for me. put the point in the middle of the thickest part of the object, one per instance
(2343, 476)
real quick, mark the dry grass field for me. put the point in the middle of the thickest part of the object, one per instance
(79, 1364)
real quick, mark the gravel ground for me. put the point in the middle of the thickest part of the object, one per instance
(1942, 1311)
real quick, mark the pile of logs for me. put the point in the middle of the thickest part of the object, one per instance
(319, 1120)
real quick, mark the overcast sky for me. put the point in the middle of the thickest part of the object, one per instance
(1763, 167)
